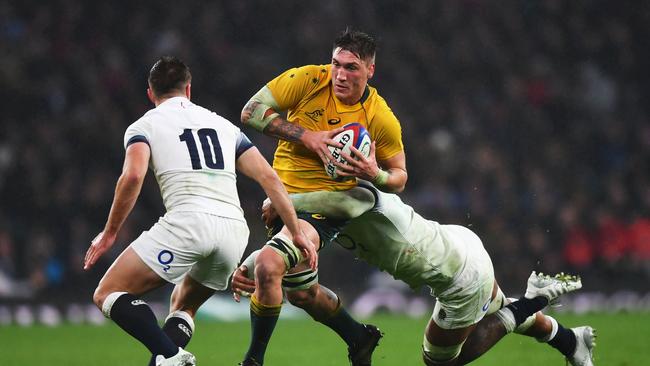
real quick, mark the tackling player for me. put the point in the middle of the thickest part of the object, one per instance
(471, 313)
(318, 99)
(193, 153)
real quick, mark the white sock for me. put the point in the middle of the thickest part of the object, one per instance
(109, 301)
(507, 319)
(183, 315)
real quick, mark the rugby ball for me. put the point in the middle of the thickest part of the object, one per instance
(353, 134)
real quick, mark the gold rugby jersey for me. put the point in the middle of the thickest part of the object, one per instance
(307, 96)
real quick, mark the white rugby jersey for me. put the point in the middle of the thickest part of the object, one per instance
(193, 153)
(393, 237)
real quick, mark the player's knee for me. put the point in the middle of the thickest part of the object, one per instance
(99, 296)
(440, 355)
(269, 267)
(284, 249)
(105, 298)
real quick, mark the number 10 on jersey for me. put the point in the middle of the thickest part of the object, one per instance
(209, 144)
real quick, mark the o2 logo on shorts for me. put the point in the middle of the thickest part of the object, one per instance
(165, 257)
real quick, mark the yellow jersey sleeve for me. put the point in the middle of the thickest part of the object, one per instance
(290, 87)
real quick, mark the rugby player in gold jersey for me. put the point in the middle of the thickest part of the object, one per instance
(318, 100)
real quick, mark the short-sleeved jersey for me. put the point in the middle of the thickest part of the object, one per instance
(193, 154)
(393, 237)
(307, 96)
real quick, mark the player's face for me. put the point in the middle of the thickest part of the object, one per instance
(350, 75)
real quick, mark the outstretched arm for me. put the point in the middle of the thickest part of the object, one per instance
(339, 205)
(126, 193)
(345, 205)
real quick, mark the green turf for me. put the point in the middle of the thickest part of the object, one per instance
(623, 339)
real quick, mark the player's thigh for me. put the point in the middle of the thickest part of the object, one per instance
(447, 337)
(128, 274)
(229, 240)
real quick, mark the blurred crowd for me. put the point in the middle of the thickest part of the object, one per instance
(525, 120)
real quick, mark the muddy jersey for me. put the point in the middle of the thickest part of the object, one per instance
(393, 237)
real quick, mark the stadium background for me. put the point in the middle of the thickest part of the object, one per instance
(525, 120)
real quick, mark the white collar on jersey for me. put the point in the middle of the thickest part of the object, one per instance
(176, 101)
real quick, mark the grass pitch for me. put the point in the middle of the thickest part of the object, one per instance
(623, 339)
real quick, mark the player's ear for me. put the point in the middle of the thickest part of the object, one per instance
(188, 90)
(150, 95)
(371, 71)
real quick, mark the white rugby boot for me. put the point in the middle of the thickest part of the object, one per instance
(182, 358)
(585, 343)
(551, 288)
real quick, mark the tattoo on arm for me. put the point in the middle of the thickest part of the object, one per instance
(249, 108)
(284, 130)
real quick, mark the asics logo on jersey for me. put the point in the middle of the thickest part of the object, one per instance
(315, 115)
(334, 121)
(185, 330)
(165, 257)
(138, 302)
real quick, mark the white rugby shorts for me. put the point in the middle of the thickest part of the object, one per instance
(205, 246)
(467, 300)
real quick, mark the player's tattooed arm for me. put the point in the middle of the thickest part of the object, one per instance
(261, 113)
(316, 141)
(260, 110)
(284, 130)
(266, 120)
(248, 110)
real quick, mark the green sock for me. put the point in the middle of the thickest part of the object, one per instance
(263, 320)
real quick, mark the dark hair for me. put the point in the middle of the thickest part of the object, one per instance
(168, 75)
(359, 43)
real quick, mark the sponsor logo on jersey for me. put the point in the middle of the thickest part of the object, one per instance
(138, 302)
(165, 257)
(334, 121)
(315, 115)
(318, 216)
